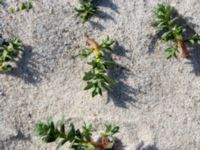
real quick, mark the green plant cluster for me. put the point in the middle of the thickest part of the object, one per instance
(167, 22)
(9, 52)
(80, 139)
(86, 10)
(97, 78)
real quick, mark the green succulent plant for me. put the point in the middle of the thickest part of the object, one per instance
(86, 10)
(80, 139)
(167, 23)
(97, 78)
(9, 52)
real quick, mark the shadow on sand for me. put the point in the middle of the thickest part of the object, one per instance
(149, 147)
(19, 137)
(103, 15)
(118, 145)
(121, 94)
(26, 67)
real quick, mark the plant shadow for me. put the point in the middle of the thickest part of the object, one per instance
(96, 25)
(107, 4)
(4, 144)
(26, 68)
(149, 147)
(103, 15)
(118, 145)
(189, 32)
(121, 94)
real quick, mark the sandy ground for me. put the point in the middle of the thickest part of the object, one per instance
(156, 102)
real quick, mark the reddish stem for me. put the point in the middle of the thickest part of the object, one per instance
(184, 53)
(102, 143)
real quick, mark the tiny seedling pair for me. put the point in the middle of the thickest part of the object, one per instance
(97, 77)
(80, 139)
(167, 23)
(26, 6)
(9, 52)
(23, 6)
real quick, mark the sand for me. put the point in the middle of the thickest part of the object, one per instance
(156, 101)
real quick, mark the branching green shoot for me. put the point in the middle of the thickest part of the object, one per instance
(168, 23)
(80, 139)
(97, 78)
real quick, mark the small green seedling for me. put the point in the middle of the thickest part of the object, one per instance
(80, 139)
(86, 10)
(9, 52)
(26, 6)
(168, 23)
(97, 78)
(11, 10)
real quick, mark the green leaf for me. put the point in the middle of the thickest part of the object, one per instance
(162, 25)
(99, 90)
(87, 131)
(171, 52)
(89, 75)
(61, 143)
(89, 85)
(107, 43)
(71, 133)
(167, 36)
(85, 53)
(6, 68)
(173, 21)
(111, 130)
(22, 6)
(94, 92)
(195, 39)
(29, 6)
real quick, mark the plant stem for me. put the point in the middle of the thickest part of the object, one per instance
(97, 145)
(102, 144)
(184, 53)
(94, 46)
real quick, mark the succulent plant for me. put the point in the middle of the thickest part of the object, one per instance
(80, 139)
(9, 52)
(168, 23)
(97, 78)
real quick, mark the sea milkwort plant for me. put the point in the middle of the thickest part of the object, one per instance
(80, 139)
(167, 22)
(86, 10)
(97, 77)
(9, 53)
